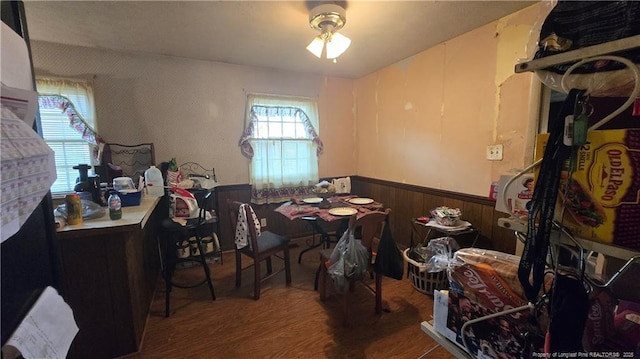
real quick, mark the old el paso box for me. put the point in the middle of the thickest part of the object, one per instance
(601, 198)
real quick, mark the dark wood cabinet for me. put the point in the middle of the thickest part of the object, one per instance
(110, 276)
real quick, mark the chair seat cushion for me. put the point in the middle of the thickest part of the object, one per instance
(268, 240)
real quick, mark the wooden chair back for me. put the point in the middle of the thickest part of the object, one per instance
(270, 244)
(370, 228)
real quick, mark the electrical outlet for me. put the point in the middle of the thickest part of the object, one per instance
(263, 222)
(494, 152)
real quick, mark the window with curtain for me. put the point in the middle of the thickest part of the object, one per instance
(282, 141)
(67, 116)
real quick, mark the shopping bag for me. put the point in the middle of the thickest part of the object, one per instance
(356, 259)
(349, 260)
(389, 261)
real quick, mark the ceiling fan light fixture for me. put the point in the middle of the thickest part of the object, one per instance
(328, 19)
(316, 46)
(336, 45)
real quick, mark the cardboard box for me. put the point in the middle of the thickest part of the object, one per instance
(492, 338)
(602, 195)
(517, 195)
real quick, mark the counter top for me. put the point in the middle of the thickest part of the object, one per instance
(131, 216)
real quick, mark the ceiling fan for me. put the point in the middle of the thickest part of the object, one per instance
(328, 19)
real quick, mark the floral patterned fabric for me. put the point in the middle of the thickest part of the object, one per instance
(279, 195)
(244, 144)
(75, 120)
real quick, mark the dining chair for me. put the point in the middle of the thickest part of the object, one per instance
(369, 228)
(261, 247)
(127, 160)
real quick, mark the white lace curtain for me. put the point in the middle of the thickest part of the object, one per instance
(284, 159)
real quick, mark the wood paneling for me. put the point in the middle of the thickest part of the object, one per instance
(275, 221)
(110, 277)
(406, 202)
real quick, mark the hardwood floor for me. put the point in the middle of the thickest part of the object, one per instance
(287, 322)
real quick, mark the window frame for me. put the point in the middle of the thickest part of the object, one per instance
(57, 128)
(269, 186)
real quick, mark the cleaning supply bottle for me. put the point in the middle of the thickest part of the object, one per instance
(154, 182)
(115, 206)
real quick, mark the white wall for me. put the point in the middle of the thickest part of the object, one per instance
(194, 110)
(424, 121)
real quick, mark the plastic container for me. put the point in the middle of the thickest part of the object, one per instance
(123, 184)
(130, 199)
(115, 206)
(154, 182)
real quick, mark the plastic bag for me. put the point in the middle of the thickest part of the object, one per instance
(356, 259)
(336, 272)
(349, 260)
(438, 254)
(443, 249)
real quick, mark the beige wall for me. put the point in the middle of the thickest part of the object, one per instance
(428, 119)
(194, 110)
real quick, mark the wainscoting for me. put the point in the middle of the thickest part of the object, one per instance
(406, 202)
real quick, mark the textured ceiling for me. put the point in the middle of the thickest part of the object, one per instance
(271, 34)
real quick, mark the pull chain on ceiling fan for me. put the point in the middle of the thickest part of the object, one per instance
(328, 19)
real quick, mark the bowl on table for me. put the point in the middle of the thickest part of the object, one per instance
(324, 195)
(448, 221)
(446, 216)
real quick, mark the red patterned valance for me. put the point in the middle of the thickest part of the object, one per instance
(245, 146)
(75, 119)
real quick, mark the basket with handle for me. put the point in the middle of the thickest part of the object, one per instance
(423, 281)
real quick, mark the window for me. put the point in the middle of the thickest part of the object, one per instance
(68, 142)
(283, 145)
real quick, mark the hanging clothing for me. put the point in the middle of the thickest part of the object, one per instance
(568, 312)
(246, 217)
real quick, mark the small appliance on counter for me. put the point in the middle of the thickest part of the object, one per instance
(88, 186)
(183, 203)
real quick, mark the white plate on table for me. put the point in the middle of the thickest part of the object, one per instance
(360, 200)
(343, 211)
(312, 200)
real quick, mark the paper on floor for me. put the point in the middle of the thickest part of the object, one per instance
(47, 331)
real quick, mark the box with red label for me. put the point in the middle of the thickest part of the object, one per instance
(600, 199)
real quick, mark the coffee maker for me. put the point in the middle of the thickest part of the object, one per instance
(88, 186)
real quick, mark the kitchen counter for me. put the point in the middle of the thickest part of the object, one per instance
(131, 216)
(110, 269)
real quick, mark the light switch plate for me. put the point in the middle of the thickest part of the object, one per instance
(494, 152)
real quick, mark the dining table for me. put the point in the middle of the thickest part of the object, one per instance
(341, 208)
